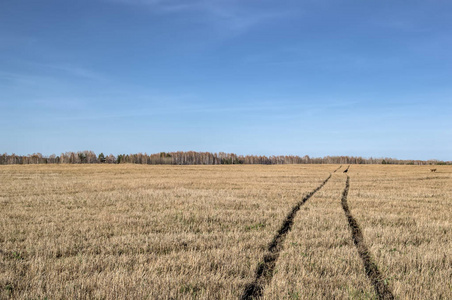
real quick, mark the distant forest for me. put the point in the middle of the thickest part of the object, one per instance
(199, 158)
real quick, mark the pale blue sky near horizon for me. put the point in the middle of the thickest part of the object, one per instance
(317, 78)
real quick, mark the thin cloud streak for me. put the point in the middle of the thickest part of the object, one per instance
(76, 71)
(221, 14)
(289, 111)
(67, 68)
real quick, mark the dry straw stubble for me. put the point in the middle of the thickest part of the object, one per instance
(133, 231)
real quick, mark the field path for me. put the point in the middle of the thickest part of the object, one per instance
(372, 271)
(264, 271)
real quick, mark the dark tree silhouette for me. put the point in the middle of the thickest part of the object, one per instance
(200, 158)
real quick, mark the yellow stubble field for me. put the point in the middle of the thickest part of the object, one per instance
(203, 232)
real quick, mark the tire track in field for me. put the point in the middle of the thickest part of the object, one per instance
(346, 170)
(337, 169)
(372, 271)
(264, 271)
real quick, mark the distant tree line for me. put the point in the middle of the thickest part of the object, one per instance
(198, 158)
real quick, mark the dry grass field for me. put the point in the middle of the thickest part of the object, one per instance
(203, 232)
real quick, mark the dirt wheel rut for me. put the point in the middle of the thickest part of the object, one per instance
(371, 268)
(346, 170)
(264, 271)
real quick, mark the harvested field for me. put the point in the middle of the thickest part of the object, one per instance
(378, 280)
(405, 214)
(138, 231)
(265, 269)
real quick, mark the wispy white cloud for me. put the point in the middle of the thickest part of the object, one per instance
(231, 16)
(39, 72)
(285, 110)
(77, 71)
(238, 16)
(11, 79)
(162, 6)
(68, 69)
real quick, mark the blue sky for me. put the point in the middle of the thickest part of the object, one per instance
(365, 78)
